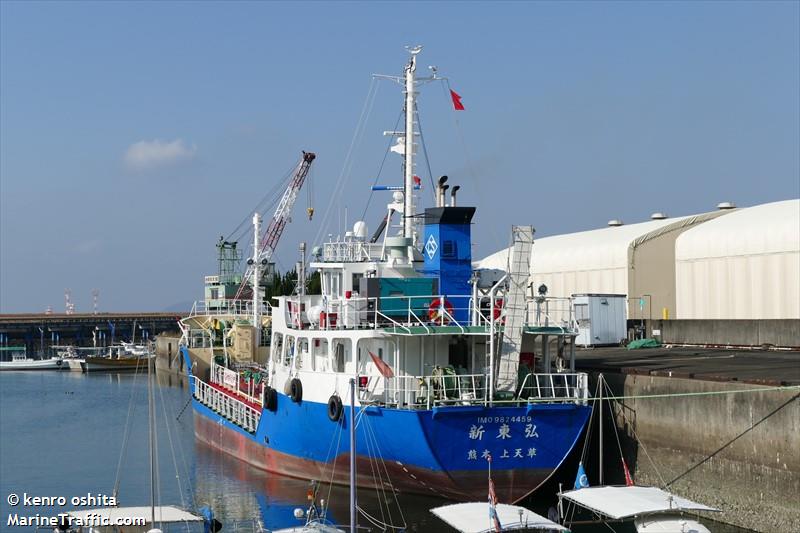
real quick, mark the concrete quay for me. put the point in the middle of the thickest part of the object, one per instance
(724, 429)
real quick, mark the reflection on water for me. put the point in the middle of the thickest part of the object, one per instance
(237, 490)
(61, 434)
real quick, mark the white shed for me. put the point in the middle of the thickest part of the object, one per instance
(637, 260)
(743, 265)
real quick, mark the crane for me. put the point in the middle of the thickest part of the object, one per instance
(269, 241)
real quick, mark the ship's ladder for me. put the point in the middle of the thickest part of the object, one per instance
(518, 275)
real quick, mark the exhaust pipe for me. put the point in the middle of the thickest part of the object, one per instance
(440, 191)
(453, 195)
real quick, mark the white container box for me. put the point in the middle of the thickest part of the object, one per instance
(601, 319)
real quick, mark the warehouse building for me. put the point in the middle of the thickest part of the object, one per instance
(745, 265)
(726, 264)
(637, 260)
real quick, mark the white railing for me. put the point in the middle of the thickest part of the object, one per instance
(231, 380)
(351, 252)
(234, 410)
(551, 312)
(404, 312)
(401, 312)
(425, 392)
(559, 387)
(237, 308)
(442, 388)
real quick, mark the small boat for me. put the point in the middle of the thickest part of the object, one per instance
(652, 509)
(473, 517)
(88, 520)
(72, 360)
(118, 359)
(490, 516)
(20, 361)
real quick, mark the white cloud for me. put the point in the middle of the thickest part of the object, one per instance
(148, 154)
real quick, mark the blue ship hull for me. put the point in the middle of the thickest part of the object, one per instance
(440, 451)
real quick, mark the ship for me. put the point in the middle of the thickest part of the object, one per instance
(454, 366)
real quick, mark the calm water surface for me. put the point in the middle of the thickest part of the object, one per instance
(62, 434)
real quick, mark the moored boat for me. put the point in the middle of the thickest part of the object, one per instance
(442, 354)
(117, 359)
(20, 361)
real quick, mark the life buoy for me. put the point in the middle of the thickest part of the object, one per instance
(296, 390)
(497, 308)
(335, 408)
(435, 313)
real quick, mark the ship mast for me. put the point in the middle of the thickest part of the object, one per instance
(256, 280)
(408, 187)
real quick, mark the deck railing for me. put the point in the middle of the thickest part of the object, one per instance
(550, 312)
(405, 312)
(441, 388)
(555, 387)
(234, 410)
(400, 312)
(232, 380)
(351, 252)
(236, 308)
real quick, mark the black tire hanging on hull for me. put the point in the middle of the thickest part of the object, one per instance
(335, 408)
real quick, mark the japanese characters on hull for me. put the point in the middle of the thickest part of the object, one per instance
(503, 437)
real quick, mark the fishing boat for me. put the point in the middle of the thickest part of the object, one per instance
(21, 361)
(452, 364)
(117, 359)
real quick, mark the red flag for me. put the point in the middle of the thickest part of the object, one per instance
(417, 181)
(383, 367)
(628, 479)
(457, 105)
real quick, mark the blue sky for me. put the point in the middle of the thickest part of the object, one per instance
(133, 135)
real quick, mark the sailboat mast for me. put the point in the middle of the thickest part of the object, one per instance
(601, 428)
(353, 524)
(408, 186)
(151, 414)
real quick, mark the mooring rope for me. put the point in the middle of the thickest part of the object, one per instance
(670, 395)
(737, 437)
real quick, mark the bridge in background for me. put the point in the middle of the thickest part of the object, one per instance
(40, 332)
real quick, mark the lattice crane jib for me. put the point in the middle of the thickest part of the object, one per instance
(272, 235)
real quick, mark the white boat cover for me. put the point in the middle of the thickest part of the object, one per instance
(166, 514)
(627, 502)
(473, 517)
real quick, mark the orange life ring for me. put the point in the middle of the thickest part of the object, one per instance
(435, 313)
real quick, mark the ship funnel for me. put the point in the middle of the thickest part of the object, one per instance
(442, 195)
(453, 195)
(440, 191)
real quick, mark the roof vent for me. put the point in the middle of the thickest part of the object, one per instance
(726, 205)
(658, 216)
(614, 223)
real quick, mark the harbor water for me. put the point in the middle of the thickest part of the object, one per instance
(62, 434)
